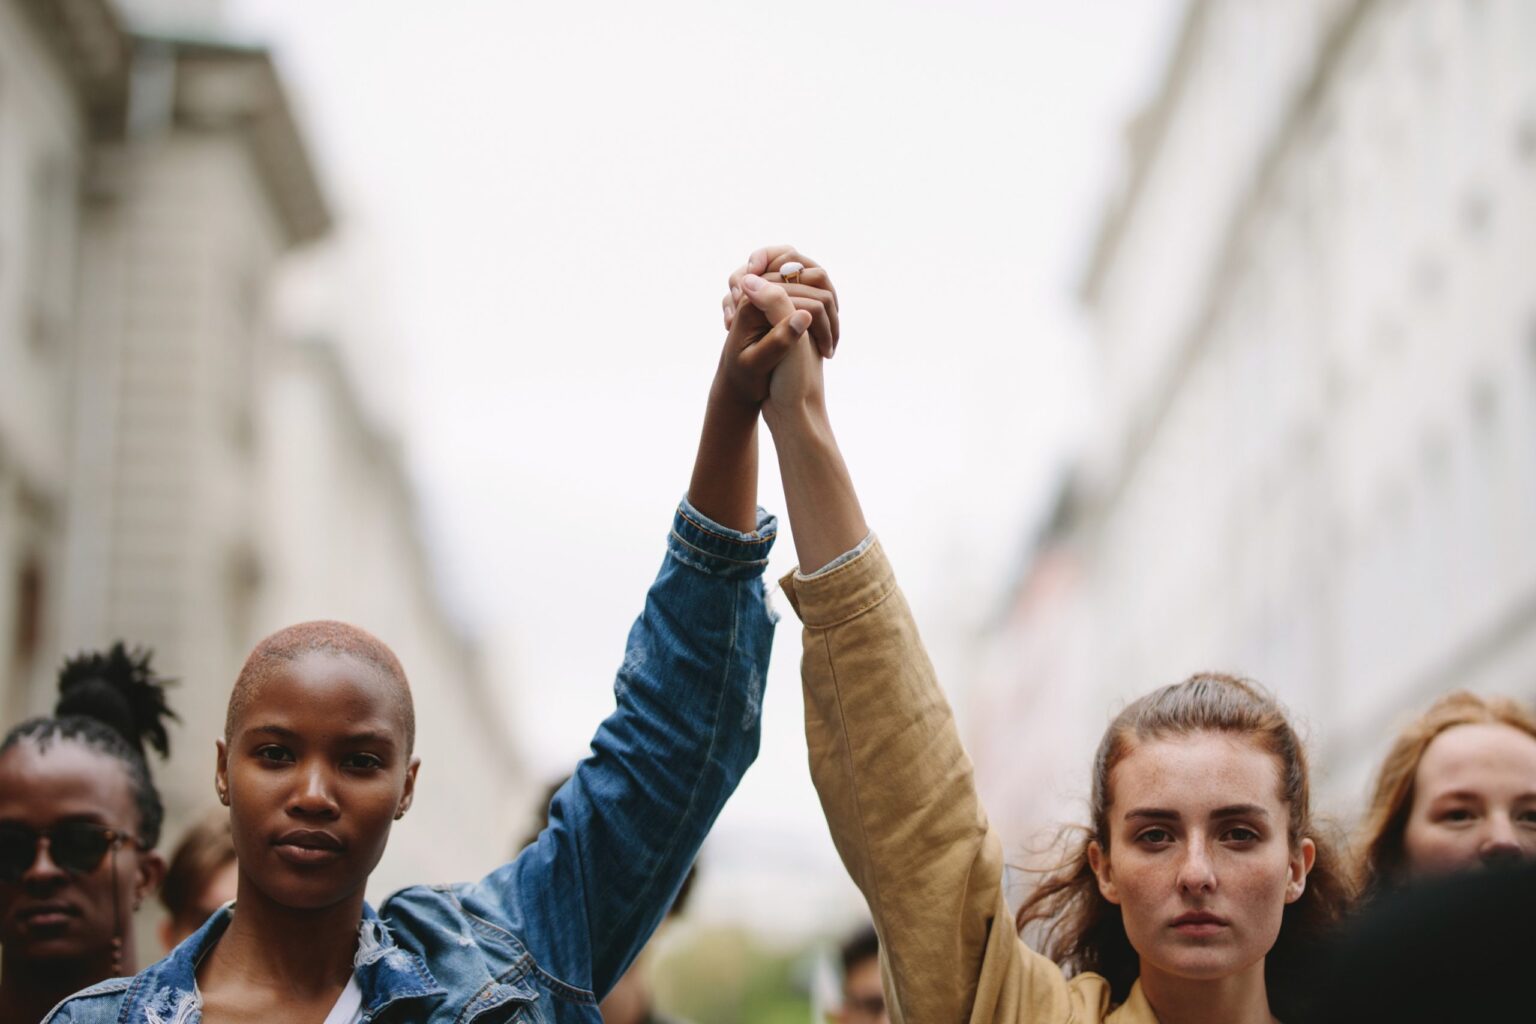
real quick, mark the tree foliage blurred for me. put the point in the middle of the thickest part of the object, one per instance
(729, 976)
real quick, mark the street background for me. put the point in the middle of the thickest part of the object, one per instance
(1177, 334)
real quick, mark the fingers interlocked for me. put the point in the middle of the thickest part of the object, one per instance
(811, 290)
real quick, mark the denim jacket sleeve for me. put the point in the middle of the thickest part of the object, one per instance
(624, 831)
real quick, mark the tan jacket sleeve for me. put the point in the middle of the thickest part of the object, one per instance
(899, 795)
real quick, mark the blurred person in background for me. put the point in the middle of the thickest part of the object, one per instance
(1464, 940)
(863, 996)
(1200, 891)
(1457, 790)
(202, 877)
(79, 820)
(317, 763)
(632, 999)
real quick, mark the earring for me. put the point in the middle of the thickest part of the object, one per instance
(117, 956)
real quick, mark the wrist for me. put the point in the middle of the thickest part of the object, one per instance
(805, 417)
(728, 403)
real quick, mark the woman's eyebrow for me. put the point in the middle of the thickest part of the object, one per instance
(1240, 811)
(375, 736)
(275, 730)
(1230, 811)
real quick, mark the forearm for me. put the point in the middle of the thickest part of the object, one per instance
(896, 787)
(624, 830)
(685, 729)
(724, 483)
(824, 512)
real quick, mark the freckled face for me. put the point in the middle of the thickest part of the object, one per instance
(1199, 862)
(316, 771)
(1474, 800)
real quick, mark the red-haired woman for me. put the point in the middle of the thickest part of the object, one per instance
(1457, 789)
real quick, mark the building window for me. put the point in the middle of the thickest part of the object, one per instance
(1525, 137)
(1476, 211)
(240, 359)
(28, 628)
(50, 284)
(1484, 401)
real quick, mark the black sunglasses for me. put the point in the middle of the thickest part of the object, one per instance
(76, 846)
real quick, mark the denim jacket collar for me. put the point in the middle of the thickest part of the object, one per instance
(166, 993)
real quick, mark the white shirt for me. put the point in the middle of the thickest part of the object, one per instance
(349, 1005)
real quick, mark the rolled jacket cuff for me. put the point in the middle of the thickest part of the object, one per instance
(704, 544)
(846, 556)
(846, 591)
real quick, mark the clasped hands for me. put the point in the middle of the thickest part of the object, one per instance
(778, 333)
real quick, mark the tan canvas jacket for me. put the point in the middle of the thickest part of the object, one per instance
(898, 793)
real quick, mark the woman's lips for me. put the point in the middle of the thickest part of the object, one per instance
(1199, 924)
(308, 847)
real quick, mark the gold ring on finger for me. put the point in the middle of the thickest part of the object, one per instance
(791, 272)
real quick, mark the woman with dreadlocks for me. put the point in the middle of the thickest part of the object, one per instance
(79, 820)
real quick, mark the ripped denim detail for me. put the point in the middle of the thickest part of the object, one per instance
(171, 1007)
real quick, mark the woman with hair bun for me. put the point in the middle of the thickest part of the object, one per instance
(79, 820)
(1457, 790)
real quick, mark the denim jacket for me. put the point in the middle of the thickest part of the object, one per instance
(541, 939)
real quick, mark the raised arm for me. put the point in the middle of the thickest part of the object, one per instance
(623, 832)
(895, 784)
(724, 483)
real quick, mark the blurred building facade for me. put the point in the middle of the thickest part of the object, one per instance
(1315, 458)
(173, 469)
(53, 74)
(341, 540)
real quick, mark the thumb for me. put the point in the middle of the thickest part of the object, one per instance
(772, 299)
(770, 350)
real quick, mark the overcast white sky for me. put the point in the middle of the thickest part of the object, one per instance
(538, 207)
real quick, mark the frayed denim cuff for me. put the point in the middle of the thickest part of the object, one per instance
(705, 545)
